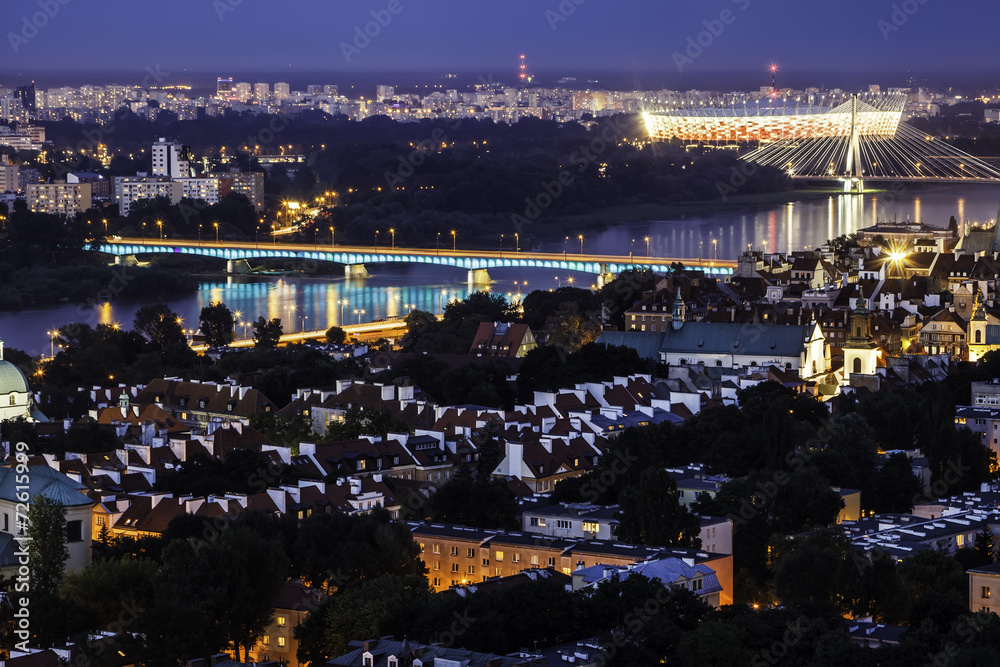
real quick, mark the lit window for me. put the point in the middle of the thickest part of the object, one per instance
(281, 641)
(499, 555)
(281, 621)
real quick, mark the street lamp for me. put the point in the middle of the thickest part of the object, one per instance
(565, 245)
(454, 241)
(393, 233)
(715, 250)
(376, 240)
(444, 293)
(199, 232)
(646, 239)
(143, 232)
(517, 243)
(343, 302)
(359, 313)
(501, 245)
(216, 225)
(159, 223)
(52, 345)
(333, 239)
(105, 221)
(437, 244)
(581, 243)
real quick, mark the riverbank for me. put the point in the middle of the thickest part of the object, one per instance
(556, 227)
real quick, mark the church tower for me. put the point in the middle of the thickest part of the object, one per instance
(977, 329)
(860, 349)
(677, 320)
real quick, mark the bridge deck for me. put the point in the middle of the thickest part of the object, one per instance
(466, 259)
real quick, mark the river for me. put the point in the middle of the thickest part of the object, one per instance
(305, 303)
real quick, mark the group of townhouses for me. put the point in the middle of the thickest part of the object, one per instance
(813, 322)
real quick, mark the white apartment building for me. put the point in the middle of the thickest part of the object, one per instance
(205, 188)
(130, 189)
(8, 177)
(261, 92)
(282, 92)
(170, 159)
(61, 198)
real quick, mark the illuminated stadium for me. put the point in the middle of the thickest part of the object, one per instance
(694, 120)
(847, 138)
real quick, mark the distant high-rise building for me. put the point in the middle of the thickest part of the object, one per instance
(261, 92)
(171, 159)
(383, 93)
(282, 92)
(12, 110)
(249, 184)
(224, 88)
(874, 88)
(451, 94)
(27, 96)
(314, 90)
(8, 177)
(332, 91)
(243, 91)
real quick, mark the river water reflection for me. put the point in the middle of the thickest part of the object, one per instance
(318, 303)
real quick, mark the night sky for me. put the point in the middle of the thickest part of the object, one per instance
(805, 37)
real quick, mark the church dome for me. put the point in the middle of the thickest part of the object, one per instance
(12, 379)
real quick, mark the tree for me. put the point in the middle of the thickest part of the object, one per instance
(361, 610)
(160, 325)
(651, 513)
(47, 550)
(217, 324)
(111, 587)
(267, 333)
(984, 544)
(574, 328)
(230, 580)
(335, 335)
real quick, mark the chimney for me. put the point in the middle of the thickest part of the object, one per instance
(355, 486)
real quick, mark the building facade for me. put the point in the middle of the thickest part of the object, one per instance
(59, 198)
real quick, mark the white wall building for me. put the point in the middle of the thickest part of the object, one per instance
(170, 159)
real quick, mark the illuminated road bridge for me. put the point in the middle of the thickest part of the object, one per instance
(477, 263)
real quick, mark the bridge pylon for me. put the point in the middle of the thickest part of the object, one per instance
(854, 182)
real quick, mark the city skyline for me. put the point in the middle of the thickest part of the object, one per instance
(632, 38)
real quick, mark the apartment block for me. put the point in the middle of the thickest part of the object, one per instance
(60, 198)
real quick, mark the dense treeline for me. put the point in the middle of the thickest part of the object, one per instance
(422, 179)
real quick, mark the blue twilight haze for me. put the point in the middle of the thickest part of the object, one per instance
(865, 37)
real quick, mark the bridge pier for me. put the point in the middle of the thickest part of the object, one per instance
(479, 277)
(237, 266)
(355, 271)
(854, 186)
(605, 276)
